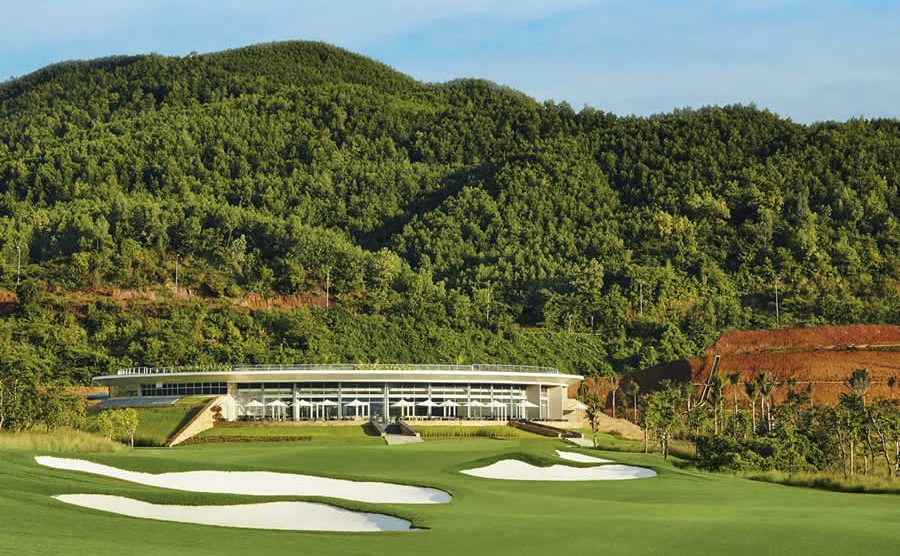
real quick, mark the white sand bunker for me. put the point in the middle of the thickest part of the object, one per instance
(294, 516)
(581, 458)
(515, 470)
(260, 483)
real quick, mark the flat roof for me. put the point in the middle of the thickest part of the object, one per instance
(498, 374)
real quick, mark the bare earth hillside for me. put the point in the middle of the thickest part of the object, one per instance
(824, 357)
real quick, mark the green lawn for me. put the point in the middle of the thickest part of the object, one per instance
(678, 512)
(157, 424)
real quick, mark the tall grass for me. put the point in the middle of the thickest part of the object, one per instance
(486, 431)
(60, 440)
(828, 481)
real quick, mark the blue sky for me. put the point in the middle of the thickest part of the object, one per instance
(807, 60)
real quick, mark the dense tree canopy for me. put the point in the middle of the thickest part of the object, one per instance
(454, 210)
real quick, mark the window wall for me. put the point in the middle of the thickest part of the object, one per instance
(341, 400)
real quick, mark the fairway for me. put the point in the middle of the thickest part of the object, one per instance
(677, 512)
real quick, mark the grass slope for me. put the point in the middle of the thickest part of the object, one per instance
(678, 512)
(157, 424)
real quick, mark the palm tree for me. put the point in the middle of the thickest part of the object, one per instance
(733, 379)
(631, 390)
(614, 382)
(751, 391)
(715, 396)
(766, 383)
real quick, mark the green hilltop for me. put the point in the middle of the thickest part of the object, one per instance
(451, 222)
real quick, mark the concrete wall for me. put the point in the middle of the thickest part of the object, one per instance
(203, 420)
(556, 399)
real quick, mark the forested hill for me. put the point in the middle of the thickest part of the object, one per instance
(457, 221)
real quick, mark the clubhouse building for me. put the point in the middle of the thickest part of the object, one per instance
(363, 391)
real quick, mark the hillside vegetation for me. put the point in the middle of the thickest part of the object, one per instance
(449, 222)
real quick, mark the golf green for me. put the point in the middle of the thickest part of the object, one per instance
(677, 512)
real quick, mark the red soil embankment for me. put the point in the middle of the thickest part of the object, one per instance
(821, 357)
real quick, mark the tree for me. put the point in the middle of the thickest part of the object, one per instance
(660, 411)
(733, 379)
(593, 407)
(858, 383)
(118, 424)
(884, 416)
(751, 390)
(614, 382)
(127, 423)
(715, 397)
(631, 389)
(766, 384)
(59, 408)
(106, 423)
(28, 296)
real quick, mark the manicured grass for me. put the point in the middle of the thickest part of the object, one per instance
(157, 424)
(678, 512)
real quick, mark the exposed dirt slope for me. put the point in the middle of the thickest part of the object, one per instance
(823, 357)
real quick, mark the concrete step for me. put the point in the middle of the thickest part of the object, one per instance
(395, 439)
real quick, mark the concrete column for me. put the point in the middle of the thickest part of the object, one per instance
(555, 400)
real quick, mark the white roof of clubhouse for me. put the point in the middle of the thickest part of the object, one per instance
(495, 374)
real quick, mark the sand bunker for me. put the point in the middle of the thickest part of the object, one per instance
(515, 470)
(581, 458)
(295, 516)
(260, 483)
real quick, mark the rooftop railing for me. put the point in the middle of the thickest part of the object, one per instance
(337, 367)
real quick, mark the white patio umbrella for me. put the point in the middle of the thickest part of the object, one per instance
(403, 404)
(495, 404)
(429, 403)
(329, 403)
(356, 404)
(577, 405)
(448, 403)
(524, 405)
(304, 403)
(276, 405)
(254, 404)
(474, 403)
